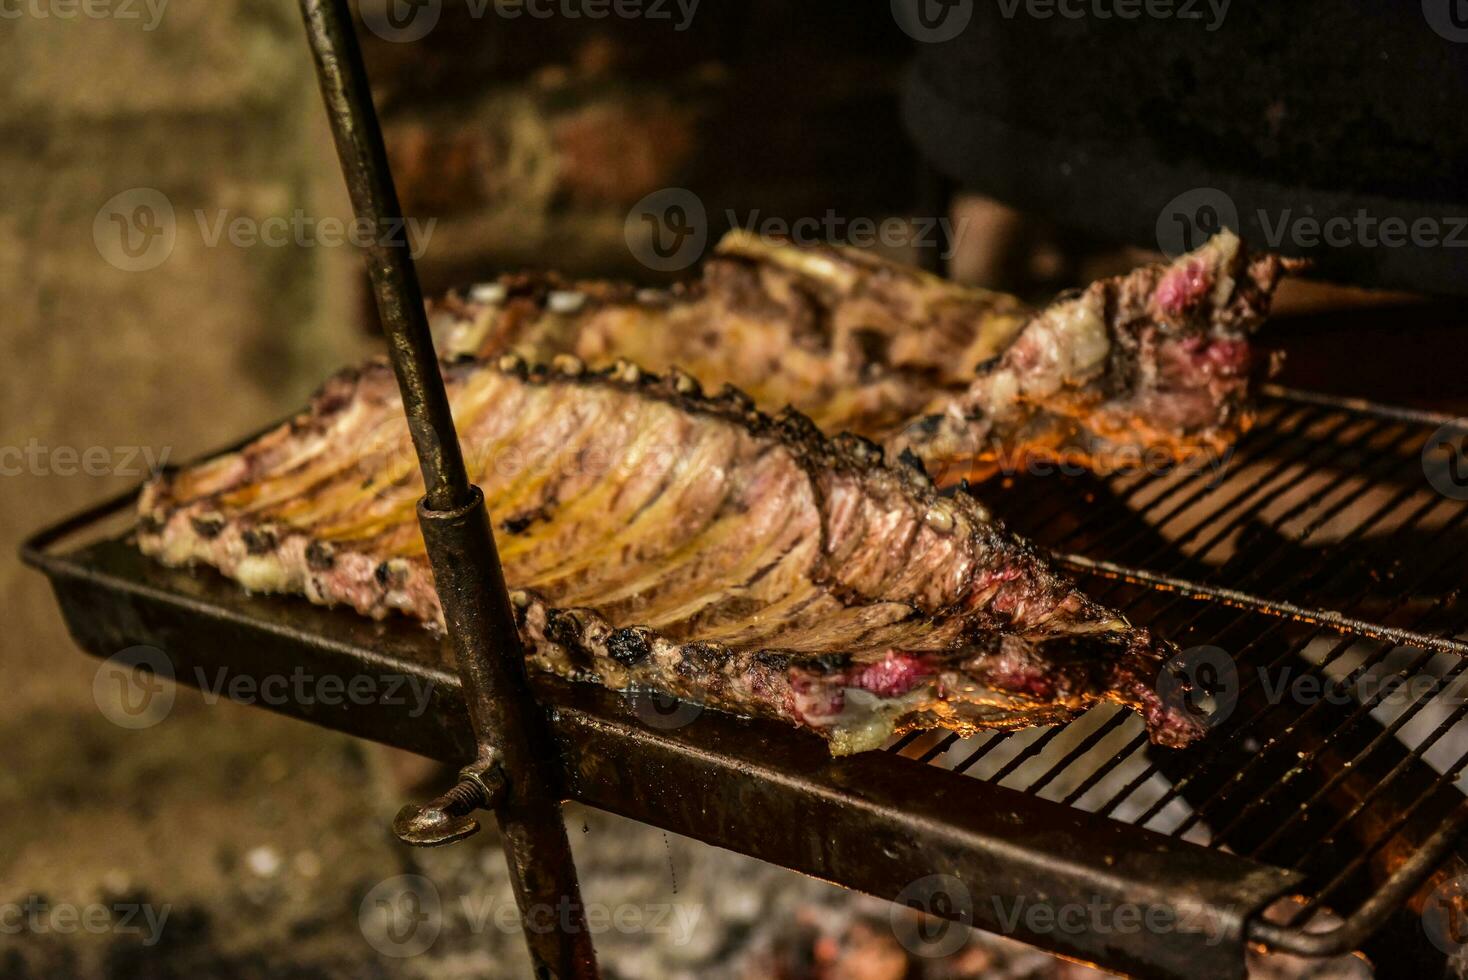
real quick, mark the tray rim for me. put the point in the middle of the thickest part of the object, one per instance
(704, 781)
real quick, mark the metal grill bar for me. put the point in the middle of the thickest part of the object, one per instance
(991, 740)
(938, 748)
(1030, 751)
(1274, 607)
(1062, 505)
(1141, 740)
(1319, 563)
(1380, 739)
(1180, 551)
(1304, 457)
(1381, 786)
(1372, 849)
(1342, 686)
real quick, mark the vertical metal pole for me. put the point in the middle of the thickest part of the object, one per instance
(517, 767)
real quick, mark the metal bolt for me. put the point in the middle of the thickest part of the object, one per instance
(447, 818)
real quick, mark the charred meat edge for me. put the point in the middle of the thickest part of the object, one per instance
(1154, 364)
(855, 706)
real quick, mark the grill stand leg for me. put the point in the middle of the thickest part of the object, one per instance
(517, 768)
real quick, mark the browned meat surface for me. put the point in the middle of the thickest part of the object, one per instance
(1145, 369)
(658, 538)
(1150, 367)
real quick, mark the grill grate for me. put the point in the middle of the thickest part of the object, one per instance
(1321, 555)
(1333, 571)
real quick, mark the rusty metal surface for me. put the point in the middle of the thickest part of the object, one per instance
(511, 741)
(1358, 831)
(395, 287)
(875, 822)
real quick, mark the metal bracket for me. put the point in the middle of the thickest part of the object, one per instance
(447, 819)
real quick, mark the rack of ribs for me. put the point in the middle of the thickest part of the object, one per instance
(1150, 367)
(658, 538)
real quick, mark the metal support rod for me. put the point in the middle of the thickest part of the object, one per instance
(389, 259)
(510, 731)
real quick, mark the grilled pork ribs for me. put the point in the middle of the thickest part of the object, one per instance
(1149, 367)
(658, 538)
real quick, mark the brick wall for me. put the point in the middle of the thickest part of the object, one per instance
(529, 139)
